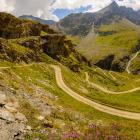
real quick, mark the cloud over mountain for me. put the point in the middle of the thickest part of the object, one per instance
(45, 8)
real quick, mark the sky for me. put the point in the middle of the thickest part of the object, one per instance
(57, 9)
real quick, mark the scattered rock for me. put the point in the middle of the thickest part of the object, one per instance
(48, 124)
(59, 123)
(20, 117)
(6, 115)
(50, 95)
(29, 128)
(40, 118)
(2, 99)
(49, 110)
(13, 104)
(10, 109)
(12, 131)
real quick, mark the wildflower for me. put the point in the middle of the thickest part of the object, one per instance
(92, 126)
(71, 135)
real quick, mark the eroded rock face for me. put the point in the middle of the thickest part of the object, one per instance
(46, 29)
(58, 47)
(120, 65)
(110, 63)
(54, 45)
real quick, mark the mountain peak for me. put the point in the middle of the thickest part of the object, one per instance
(114, 4)
(112, 7)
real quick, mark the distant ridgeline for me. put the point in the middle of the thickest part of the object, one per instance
(42, 21)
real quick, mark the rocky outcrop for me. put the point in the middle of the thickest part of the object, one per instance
(61, 49)
(12, 27)
(120, 64)
(14, 52)
(106, 63)
(47, 29)
(32, 48)
(137, 48)
(110, 63)
(28, 41)
(13, 124)
(55, 45)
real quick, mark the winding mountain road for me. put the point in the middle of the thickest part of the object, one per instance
(108, 91)
(20, 66)
(100, 107)
(129, 63)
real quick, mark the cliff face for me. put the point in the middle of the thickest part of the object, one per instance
(55, 45)
(61, 49)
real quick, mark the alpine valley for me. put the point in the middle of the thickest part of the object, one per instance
(76, 79)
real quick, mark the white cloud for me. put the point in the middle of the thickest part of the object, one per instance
(39, 8)
(5, 7)
(96, 4)
(135, 4)
(39, 13)
(71, 4)
(44, 8)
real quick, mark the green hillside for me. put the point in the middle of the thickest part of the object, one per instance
(118, 39)
(135, 65)
(48, 90)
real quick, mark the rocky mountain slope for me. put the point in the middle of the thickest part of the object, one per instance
(30, 17)
(109, 37)
(12, 27)
(113, 46)
(81, 23)
(28, 41)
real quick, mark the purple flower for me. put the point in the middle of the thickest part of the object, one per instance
(71, 135)
(98, 134)
(92, 126)
(115, 126)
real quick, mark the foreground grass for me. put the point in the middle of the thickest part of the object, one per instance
(43, 76)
